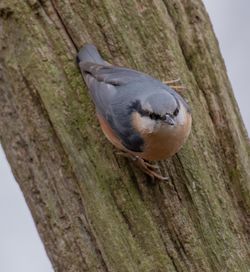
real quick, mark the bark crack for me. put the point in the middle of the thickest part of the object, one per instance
(64, 26)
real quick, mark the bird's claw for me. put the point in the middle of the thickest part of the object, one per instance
(172, 81)
(145, 166)
(177, 88)
(149, 169)
(152, 166)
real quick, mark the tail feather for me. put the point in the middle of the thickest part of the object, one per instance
(89, 53)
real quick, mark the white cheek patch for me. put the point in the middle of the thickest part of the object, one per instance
(147, 125)
(143, 124)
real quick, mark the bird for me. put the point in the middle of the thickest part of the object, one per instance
(146, 119)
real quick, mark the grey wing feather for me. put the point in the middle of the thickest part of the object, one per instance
(112, 74)
(101, 93)
(119, 118)
(104, 83)
(102, 79)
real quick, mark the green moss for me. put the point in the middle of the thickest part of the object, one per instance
(137, 226)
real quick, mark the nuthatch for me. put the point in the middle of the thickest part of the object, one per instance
(139, 114)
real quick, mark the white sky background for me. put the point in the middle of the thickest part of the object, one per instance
(20, 247)
(231, 22)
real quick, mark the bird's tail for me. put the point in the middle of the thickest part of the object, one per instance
(89, 53)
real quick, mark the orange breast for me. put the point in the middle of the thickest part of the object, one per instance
(157, 146)
(109, 133)
(165, 143)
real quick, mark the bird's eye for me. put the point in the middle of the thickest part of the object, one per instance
(152, 115)
(175, 113)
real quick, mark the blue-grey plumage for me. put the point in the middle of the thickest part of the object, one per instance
(138, 113)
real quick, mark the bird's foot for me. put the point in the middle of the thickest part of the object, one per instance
(149, 169)
(171, 81)
(177, 88)
(125, 154)
(145, 166)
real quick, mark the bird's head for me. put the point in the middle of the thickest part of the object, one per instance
(159, 111)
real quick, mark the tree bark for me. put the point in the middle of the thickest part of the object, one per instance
(94, 210)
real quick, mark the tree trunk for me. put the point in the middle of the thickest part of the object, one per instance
(94, 210)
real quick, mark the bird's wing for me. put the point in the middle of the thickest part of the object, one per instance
(119, 116)
(112, 74)
(101, 92)
(104, 83)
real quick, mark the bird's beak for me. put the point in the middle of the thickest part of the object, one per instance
(169, 120)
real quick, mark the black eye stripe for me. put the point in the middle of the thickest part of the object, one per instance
(154, 116)
(136, 106)
(176, 111)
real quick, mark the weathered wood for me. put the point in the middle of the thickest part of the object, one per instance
(94, 210)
